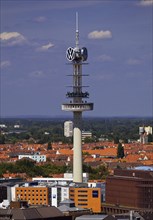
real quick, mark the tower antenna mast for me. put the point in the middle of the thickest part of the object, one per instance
(77, 30)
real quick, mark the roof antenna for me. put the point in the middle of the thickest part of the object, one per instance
(77, 31)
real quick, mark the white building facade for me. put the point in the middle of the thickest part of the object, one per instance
(36, 157)
(68, 128)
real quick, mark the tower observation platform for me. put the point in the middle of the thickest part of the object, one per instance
(78, 102)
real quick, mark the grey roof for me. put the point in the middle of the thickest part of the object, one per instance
(33, 213)
(127, 216)
(5, 211)
(65, 208)
(49, 212)
(91, 217)
(110, 217)
(67, 201)
(30, 214)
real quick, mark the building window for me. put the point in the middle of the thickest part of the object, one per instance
(82, 191)
(95, 193)
(82, 195)
(85, 200)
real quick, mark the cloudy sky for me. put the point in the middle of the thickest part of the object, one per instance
(35, 34)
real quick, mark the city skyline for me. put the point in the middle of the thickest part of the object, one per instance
(34, 37)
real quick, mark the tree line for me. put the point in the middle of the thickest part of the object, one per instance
(48, 169)
(52, 130)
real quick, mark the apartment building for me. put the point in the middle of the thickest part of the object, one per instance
(89, 198)
(144, 132)
(36, 157)
(86, 134)
(68, 128)
(35, 195)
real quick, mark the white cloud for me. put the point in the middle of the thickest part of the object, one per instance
(5, 64)
(12, 38)
(145, 2)
(45, 47)
(40, 19)
(134, 61)
(105, 58)
(100, 34)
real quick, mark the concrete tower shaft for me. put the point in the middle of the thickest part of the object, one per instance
(77, 147)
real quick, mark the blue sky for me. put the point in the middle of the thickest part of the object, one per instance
(34, 36)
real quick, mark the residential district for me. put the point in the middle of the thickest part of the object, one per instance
(123, 188)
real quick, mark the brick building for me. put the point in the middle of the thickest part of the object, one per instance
(130, 190)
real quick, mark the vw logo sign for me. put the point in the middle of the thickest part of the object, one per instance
(70, 54)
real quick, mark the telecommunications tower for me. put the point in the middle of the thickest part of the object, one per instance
(77, 104)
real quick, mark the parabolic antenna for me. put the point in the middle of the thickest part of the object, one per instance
(84, 53)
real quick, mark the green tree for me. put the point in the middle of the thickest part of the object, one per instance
(116, 140)
(2, 139)
(150, 138)
(125, 140)
(49, 146)
(120, 151)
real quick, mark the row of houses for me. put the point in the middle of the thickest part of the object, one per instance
(100, 151)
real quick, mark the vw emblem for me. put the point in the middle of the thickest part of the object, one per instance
(70, 54)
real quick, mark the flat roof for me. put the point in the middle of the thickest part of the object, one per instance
(91, 217)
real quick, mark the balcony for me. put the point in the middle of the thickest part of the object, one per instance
(77, 107)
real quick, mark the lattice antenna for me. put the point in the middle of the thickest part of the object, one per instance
(77, 30)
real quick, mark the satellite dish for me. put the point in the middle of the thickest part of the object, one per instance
(78, 55)
(84, 53)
